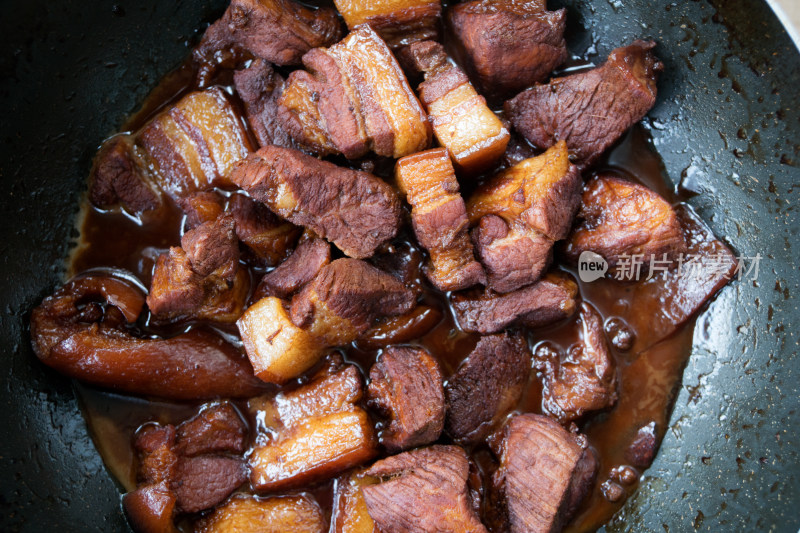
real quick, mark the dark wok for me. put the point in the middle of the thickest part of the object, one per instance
(727, 123)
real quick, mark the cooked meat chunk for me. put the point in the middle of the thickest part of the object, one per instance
(350, 514)
(354, 99)
(213, 249)
(402, 328)
(193, 145)
(300, 268)
(279, 31)
(120, 177)
(589, 110)
(644, 446)
(218, 428)
(621, 218)
(486, 387)
(268, 240)
(403, 260)
(155, 449)
(509, 45)
(406, 386)
(462, 122)
(247, 514)
(200, 207)
(544, 473)
(313, 432)
(398, 22)
(150, 509)
(259, 87)
(354, 210)
(425, 491)
(439, 218)
(346, 298)
(176, 289)
(549, 300)
(204, 481)
(586, 380)
(520, 213)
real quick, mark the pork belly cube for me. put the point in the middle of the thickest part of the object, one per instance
(439, 218)
(212, 248)
(354, 98)
(216, 429)
(547, 301)
(486, 386)
(589, 110)
(346, 298)
(277, 349)
(150, 509)
(200, 207)
(354, 210)
(509, 45)
(268, 239)
(586, 380)
(314, 432)
(259, 88)
(249, 514)
(193, 145)
(618, 217)
(462, 122)
(204, 481)
(519, 213)
(422, 490)
(350, 514)
(406, 386)
(398, 22)
(544, 473)
(299, 268)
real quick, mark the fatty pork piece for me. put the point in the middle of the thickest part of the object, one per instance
(589, 110)
(313, 432)
(398, 22)
(549, 300)
(406, 386)
(200, 207)
(439, 218)
(621, 218)
(545, 472)
(81, 331)
(422, 491)
(349, 513)
(354, 210)
(293, 274)
(509, 45)
(520, 213)
(278, 31)
(486, 387)
(462, 122)
(353, 99)
(259, 88)
(584, 381)
(249, 514)
(267, 239)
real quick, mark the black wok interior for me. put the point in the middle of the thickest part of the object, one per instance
(727, 124)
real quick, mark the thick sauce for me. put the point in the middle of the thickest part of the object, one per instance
(647, 381)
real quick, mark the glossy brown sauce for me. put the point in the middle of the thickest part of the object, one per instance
(647, 381)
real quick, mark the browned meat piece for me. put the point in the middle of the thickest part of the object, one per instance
(216, 429)
(150, 509)
(547, 301)
(313, 432)
(425, 490)
(462, 122)
(350, 514)
(401, 329)
(300, 268)
(259, 87)
(621, 218)
(246, 514)
(509, 45)
(586, 380)
(213, 249)
(544, 473)
(398, 22)
(119, 177)
(644, 446)
(98, 349)
(520, 213)
(201, 207)
(346, 298)
(279, 31)
(155, 448)
(589, 110)
(403, 260)
(354, 99)
(354, 210)
(439, 218)
(406, 386)
(193, 145)
(269, 240)
(203, 482)
(176, 289)
(486, 387)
